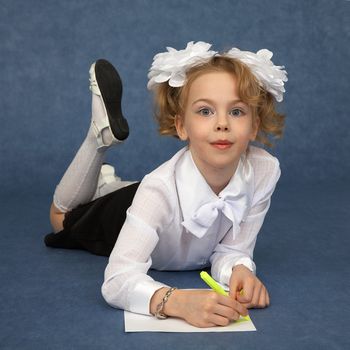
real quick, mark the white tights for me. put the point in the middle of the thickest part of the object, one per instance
(83, 180)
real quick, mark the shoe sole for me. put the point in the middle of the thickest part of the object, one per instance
(110, 85)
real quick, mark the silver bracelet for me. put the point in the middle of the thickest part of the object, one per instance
(159, 311)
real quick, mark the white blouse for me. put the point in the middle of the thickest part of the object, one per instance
(176, 222)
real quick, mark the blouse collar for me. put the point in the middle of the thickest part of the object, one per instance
(201, 206)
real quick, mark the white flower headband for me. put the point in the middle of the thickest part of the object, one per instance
(172, 66)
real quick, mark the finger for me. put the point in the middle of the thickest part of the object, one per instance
(202, 324)
(262, 299)
(256, 295)
(234, 305)
(267, 298)
(240, 308)
(219, 320)
(240, 296)
(248, 306)
(233, 288)
(226, 312)
(248, 290)
(209, 325)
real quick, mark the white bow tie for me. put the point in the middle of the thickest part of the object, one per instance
(233, 207)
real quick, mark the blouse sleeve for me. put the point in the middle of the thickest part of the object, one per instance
(229, 253)
(126, 283)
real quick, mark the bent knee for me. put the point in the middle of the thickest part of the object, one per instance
(56, 218)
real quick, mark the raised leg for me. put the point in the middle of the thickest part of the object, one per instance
(108, 127)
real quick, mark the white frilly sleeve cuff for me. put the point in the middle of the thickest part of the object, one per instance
(140, 296)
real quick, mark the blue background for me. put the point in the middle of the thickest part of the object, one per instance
(50, 299)
(47, 48)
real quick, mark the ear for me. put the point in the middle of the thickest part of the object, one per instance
(256, 124)
(180, 128)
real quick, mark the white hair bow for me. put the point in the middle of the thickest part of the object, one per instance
(172, 66)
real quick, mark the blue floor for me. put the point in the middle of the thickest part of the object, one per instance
(50, 298)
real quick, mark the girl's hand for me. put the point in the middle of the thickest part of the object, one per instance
(254, 293)
(202, 308)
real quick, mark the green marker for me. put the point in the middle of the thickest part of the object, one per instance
(218, 289)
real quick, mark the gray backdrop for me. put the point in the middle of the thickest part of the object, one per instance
(47, 48)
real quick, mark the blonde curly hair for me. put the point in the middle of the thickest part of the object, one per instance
(171, 101)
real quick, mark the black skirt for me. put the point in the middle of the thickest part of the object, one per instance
(95, 226)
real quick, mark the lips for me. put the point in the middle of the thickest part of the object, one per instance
(221, 144)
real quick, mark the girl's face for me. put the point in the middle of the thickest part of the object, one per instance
(216, 123)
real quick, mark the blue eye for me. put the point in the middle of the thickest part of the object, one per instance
(236, 112)
(206, 112)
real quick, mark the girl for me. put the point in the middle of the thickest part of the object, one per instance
(204, 207)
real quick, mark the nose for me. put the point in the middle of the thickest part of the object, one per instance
(222, 123)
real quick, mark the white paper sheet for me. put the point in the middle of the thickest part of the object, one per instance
(142, 323)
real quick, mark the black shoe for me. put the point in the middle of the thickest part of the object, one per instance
(105, 81)
(61, 240)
